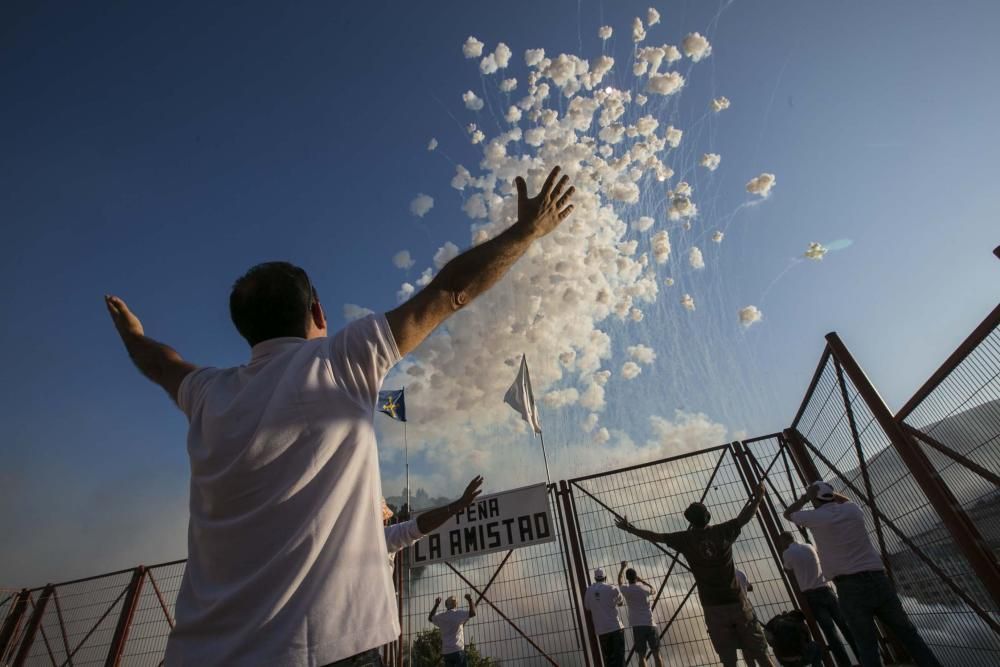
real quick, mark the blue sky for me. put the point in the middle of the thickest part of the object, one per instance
(157, 152)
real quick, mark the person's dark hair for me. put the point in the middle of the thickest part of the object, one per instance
(697, 515)
(786, 536)
(631, 576)
(272, 300)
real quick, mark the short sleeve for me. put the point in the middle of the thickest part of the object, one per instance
(675, 541)
(463, 616)
(730, 530)
(361, 355)
(194, 386)
(436, 620)
(401, 535)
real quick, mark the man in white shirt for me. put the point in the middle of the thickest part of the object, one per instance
(847, 556)
(803, 563)
(602, 601)
(286, 552)
(452, 624)
(636, 592)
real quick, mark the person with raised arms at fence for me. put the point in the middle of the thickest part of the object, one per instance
(848, 557)
(708, 550)
(602, 600)
(286, 552)
(452, 621)
(640, 615)
(802, 562)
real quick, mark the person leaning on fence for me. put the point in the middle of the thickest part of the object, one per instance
(803, 564)
(452, 621)
(709, 553)
(848, 557)
(602, 601)
(640, 616)
(286, 552)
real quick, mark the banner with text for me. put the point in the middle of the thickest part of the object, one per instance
(497, 522)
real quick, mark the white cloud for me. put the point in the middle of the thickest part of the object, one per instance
(761, 185)
(638, 32)
(488, 65)
(643, 223)
(641, 353)
(402, 259)
(502, 55)
(641, 99)
(688, 432)
(405, 291)
(652, 17)
(696, 47)
(661, 247)
(695, 259)
(421, 204)
(477, 137)
(625, 191)
(508, 85)
(445, 254)
(720, 104)
(630, 370)
(750, 315)
(673, 136)
(472, 101)
(687, 301)
(432, 144)
(533, 56)
(588, 424)
(717, 236)
(710, 161)
(665, 84)
(472, 48)
(815, 251)
(354, 312)
(561, 398)
(605, 32)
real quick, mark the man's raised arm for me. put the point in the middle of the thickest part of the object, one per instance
(476, 270)
(751, 507)
(433, 519)
(647, 535)
(158, 362)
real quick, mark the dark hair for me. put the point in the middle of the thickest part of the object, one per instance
(272, 300)
(697, 515)
(786, 535)
(631, 575)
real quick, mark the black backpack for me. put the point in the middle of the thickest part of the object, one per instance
(788, 634)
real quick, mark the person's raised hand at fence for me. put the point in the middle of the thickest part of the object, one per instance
(472, 605)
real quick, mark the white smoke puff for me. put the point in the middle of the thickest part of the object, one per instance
(635, 314)
(502, 55)
(750, 315)
(560, 398)
(643, 223)
(717, 237)
(630, 370)
(681, 206)
(646, 125)
(477, 137)
(402, 259)
(687, 301)
(605, 32)
(425, 278)
(696, 47)
(602, 377)
(695, 259)
(671, 53)
(513, 115)
(669, 282)
(461, 179)
(638, 32)
(508, 85)
(602, 435)
(710, 161)
(592, 397)
(533, 56)
(640, 67)
(472, 101)
(406, 290)
(432, 144)
(445, 254)
(761, 185)
(686, 433)
(720, 104)
(480, 236)
(624, 191)
(673, 136)
(641, 353)
(475, 207)
(683, 188)
(421, 204)
(472, 48)
(661, 247)
(665, 84)
(815, 251)
(652, 17)
(628, 247)
(488, 65)
(590, 423)
(612, 134)
(535, 136)
(600, 66)
(641, 99)
(354, 312)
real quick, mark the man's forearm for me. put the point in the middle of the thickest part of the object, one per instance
(750, 509)
(433, 519)
(157, 361)
(647, 535)
(795, 507)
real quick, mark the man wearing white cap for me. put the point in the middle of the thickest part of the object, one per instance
(602, 601)
(848, 557)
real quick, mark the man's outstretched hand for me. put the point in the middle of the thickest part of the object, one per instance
(622, 524)
(542, 213)
(472, 491)
(125, 321)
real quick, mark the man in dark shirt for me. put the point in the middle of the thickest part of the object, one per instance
(709, 553)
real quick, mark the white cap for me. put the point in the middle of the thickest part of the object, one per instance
(822, 490)
(598, 573)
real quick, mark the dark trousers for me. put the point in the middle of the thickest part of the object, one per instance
(866, 596)
(371, 658)
(456, 659)
(734, 626)
(826, 608)
(613, 648)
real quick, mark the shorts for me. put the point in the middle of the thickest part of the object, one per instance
(645, 638)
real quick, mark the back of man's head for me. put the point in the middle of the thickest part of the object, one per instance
(631, 576)
(272, 300)
(697, 515)
(785, 540)
(822, 493)
(451, 602)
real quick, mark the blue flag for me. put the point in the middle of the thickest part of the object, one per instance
(393, 404)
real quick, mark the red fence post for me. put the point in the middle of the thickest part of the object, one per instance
(125, 618)
(13, 621)
(32, 628)
(804, 464)
(573, 548)
(953, 517)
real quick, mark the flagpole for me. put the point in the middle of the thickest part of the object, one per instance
(548, 480)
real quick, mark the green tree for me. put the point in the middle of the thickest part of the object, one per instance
(427, 652)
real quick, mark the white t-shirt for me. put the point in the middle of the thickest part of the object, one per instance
(841, 538)
(452, 624)
(398, 536)
(602, 601)
(801, 559)
(637, 600)
(742, 580)
(286, 549)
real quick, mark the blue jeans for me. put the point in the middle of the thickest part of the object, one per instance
(865, 596)
(826, 608)
(456, 659)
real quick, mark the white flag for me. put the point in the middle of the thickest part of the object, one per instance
(521, 398)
